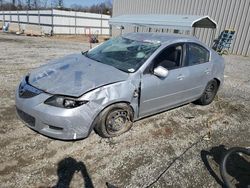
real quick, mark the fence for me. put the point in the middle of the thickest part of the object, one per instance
(57, 21)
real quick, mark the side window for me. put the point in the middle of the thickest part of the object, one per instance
(169, 58)
(196, 54)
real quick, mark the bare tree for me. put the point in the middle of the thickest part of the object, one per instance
(44, 4)
(35, 4)
(19, 5)
(1, 4)
(28, 4)
(60, 3)
(13, 4)
(103, 8)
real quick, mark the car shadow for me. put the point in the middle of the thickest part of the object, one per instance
(237, 166)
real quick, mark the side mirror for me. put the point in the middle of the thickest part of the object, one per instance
(160, 72)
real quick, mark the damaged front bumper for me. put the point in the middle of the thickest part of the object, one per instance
(60, 123)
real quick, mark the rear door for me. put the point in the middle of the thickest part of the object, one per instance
(199, 66)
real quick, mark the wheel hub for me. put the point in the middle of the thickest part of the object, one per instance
(117, 120)
(210, 91)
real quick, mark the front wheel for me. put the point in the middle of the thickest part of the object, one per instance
(209, 93)
(114, 120)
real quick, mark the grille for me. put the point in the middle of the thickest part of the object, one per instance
(27, 91)
(27, 94)
(26, 118)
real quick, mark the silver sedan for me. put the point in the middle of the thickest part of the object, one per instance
(116, 83)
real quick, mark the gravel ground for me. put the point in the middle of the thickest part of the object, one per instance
(165, 150)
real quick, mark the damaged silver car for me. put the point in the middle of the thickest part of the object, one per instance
(116, 83)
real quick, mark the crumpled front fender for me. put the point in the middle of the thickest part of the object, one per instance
(125, 91)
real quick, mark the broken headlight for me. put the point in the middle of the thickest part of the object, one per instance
(64, 102)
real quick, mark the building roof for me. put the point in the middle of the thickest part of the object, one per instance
(164, 21)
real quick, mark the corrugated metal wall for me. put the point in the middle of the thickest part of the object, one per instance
(229, 14)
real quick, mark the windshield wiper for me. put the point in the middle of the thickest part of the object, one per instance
(84, 53)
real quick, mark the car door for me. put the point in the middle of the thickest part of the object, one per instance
(158, 93)
(200, 68)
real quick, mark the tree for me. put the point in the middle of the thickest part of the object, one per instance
(28, 4)
(1, 4)
(102, 8)
(60, 3)
(19, 5)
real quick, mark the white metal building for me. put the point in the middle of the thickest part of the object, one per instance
(59, 21)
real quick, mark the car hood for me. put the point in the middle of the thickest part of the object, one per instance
(74, 75)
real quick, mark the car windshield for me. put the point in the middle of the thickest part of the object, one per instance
(122, 53)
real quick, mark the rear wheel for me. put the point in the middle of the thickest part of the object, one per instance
(114, 120)
(209, 93)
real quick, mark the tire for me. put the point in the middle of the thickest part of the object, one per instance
(209, 93)
(114, 120)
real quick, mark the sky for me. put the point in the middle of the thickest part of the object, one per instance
(68, 3)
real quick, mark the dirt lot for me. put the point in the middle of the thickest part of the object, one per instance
(166, 150)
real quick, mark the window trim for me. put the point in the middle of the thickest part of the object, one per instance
(187, 53)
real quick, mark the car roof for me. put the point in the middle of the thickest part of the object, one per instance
(162, 38)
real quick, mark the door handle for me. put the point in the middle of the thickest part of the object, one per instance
(180, 77)
(207, 71)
